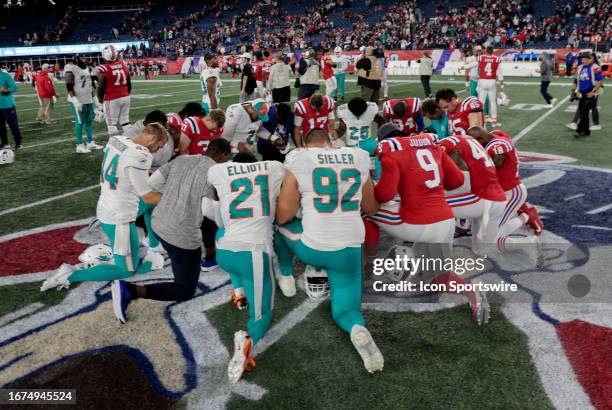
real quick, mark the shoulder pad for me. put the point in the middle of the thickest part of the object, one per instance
(137, 157)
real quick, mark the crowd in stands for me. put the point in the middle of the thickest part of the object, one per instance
(500, 23)
(51, 34)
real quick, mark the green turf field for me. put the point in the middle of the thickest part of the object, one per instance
(47, 166)
(433, 360)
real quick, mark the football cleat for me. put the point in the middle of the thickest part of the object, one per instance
(92, 145)
(121, 299)
(595, 127)
(534, 220)
(97, 255)
(481, 311)
(239, 299)
(81, 149)
(242, 361)
(59, 279)
(287, 285)
(572, 126)
(364, 344)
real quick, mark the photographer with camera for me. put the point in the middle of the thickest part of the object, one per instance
(586, 87)
(308, 69)
(372, 80)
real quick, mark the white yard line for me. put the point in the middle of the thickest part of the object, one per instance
(569, 198)
(537, 122)
(47, 200)
(600, 209)
(597, 228)
(20, 313)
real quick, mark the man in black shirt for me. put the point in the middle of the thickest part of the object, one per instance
(247, 81)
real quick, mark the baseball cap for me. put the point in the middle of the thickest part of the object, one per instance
(261, 108)
(386, 130)
(247, 55)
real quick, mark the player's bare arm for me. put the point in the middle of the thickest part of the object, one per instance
(69, 80)
(297, 135)
(341, 128)
(499, 160)
(129, 84)
(211, 87)
(379, 119)
(456, 157)
(101, 88)
(288, 200)
(369, 204)
(475, 118)
(183, 145)
(332, 129)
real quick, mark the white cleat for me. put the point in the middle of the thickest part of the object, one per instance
(81, 149)
(59, 279)
(548, 105)
(596, 127)
(370, 354)
(572, 126)
(287, 285)
(242, 361)
(93, 145)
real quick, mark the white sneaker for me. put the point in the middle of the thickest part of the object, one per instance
(242, 360)
(157, 261)
(553, 101)
(81, 149)
(548, 105)
(287, 285)
(59, 279)
(572, 126)
(596, 127)
(93, 145)
(362, 340)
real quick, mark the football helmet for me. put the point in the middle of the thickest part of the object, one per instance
(502, 99)
(338, 50)
(99, 116)
(97, 255)
(109, 53)
(7, 156)
(315, 282)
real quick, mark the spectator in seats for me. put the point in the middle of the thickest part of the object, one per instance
(8, 114)
(425, 71)
(279, 81)
(308, 69)
(546, 71)
(46, 95)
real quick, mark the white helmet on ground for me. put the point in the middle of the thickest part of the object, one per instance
(502, 99)
(99, 116)
(109, 53)
(7, 156)
(315, 282)
(338, 49)
(97, 255)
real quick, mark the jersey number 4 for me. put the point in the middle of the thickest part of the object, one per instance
(108, 172)
(245, 188)
(325, 184)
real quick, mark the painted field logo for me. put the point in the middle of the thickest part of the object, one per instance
(184, 357)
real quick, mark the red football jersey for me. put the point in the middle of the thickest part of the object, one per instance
(175, 121)
(308, 118)
(328, 71)
(200, 136)
(508, 173)
(458, 121)
(408, 122)
(116, 75)
(483, 177)
(258, 67)
(488, 66)
(266, 68)
(419, 170)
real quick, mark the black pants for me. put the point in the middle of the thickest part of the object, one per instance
(9, 115)
(209, 231)
(307, 90)
(584, 106)
(544, 91)
(281, 94)
(269, 152)
(425, 82)
(594, 113)
(186, 270)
